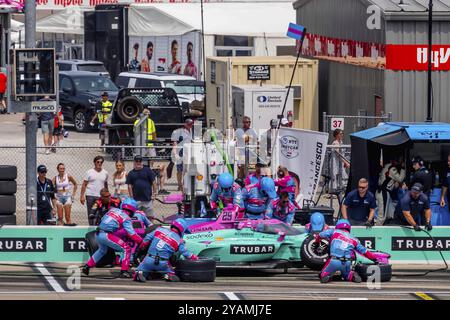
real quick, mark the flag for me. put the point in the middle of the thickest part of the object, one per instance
(295, 31)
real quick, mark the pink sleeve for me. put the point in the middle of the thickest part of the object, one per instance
(282, 182)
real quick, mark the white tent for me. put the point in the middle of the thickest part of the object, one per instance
(69, 21)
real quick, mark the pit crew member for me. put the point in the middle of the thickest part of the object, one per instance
(226, 191)
(283, 209)
(259, 198)
(316, 223)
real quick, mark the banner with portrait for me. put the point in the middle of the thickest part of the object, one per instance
(172, 54)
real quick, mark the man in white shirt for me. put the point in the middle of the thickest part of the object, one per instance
(95, 180)
(179, 138)
(246, 137)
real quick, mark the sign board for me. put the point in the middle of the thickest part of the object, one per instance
(33, 73)
(258, 72)
(337, 123)
(43, 106)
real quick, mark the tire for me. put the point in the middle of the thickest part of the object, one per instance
(385, 271)
(8, 220)
(8, 173)
(8, 187)
(7, 205)
(311, 257)
(202, 270)
(110, 256)
(81, 121)
(128, 109)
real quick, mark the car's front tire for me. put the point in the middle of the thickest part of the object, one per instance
(81, 121)
(314, 254)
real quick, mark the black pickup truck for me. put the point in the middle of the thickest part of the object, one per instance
(165, 111)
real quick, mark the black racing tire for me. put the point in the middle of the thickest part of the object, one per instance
(7, 205)
(129, 109)
(110, 256)
(202, 270)
(81, 121)
(314, 255)
(385, 271)
(8, 220)
(8, 173)
(8, 187)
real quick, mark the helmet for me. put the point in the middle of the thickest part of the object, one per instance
(343, 224)
(225, 180)
(181, 225)
(130, 205)
(417, 159)
(268, 187)
(317, 222)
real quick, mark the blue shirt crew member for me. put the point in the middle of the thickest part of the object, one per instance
(414, 209)
(359, 205)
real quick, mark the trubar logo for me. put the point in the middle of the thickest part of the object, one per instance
(23, 244)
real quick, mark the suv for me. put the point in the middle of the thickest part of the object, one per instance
(79, 94)
(83, 65)
(188, 89)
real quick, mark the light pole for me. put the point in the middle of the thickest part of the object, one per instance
(430, 47)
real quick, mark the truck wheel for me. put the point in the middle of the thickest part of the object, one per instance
(128, 109)
(385, 271)
(110, 256)
(81, 121)
(314, 255)
(202, 270)
(8, 172)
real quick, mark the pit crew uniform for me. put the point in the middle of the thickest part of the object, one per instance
(112, 222)
(233, 196)
(257, 205)
(286, 184)
(285, 214)
(251, 179)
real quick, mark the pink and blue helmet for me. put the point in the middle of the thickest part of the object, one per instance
(181, 225)
(129, 205)
(343, 224)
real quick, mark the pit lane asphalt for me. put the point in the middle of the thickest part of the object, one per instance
(45, 282)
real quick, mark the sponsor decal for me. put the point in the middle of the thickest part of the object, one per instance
(289, 147)
(252, 249)
(415, 57)
(420, 244)
(198, 236)
(75, 245)
(317, 164)
(244, 234)
(258, 72)
(23, 244)
(368, 242)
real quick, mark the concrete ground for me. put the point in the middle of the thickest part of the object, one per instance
(44, 282)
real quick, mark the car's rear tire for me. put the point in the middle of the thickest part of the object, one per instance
(8, 187)
(128, 109)
(202, 270)
(7, 205)
(364, 273)
(8, 172)
(314, 255)
(81, 121)
(110, 256)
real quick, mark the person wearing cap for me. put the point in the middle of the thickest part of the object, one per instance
(46, 201)
(179, 138)
(104, 108)
(414, 209)
(141, 182)
(359, 205)
(421, 175)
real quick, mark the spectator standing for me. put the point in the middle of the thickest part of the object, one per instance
(151, 134)
(46, 202)
(421, 175)
(3, 85)
(179, 138)
(246, 141)
(64, 196)
(414, 209)
(104, 108)
(119, 181)
(141, 181)
(390, 181)
(47, 126)
(339, 162)
(445, 183)
(359, 205)
(95, 180)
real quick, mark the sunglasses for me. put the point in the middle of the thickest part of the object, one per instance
(246, 121)
(43, 172)
(362, 188)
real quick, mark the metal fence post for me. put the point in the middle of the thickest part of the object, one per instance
(324, 122)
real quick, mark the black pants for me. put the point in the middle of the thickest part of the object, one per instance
(43, 214)
(90, 200)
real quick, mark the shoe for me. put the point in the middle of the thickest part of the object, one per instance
(47, 151)
(125, 274)
(53, 150)
(70, 224)
(356, 278)
(171, 278)
(139, 276)
(85, 269)
(325, 279)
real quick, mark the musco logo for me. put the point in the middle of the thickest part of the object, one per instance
(420, 244)
(252, 249)
(23, 244)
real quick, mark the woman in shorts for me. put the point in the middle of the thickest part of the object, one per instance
(119, 179)
(64, 195)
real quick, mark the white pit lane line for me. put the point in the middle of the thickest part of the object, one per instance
(48, 276)
(231, 296)
(108, 298)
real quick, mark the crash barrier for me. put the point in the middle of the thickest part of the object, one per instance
(68, 244)
(8, 189)
(351, 124)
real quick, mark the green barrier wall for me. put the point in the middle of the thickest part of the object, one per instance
(67, 244)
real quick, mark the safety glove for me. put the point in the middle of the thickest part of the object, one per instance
(368, 224)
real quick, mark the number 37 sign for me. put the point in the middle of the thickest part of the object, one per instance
(337, 123)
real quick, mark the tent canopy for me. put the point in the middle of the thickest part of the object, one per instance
(69, 21)
(269, 19)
